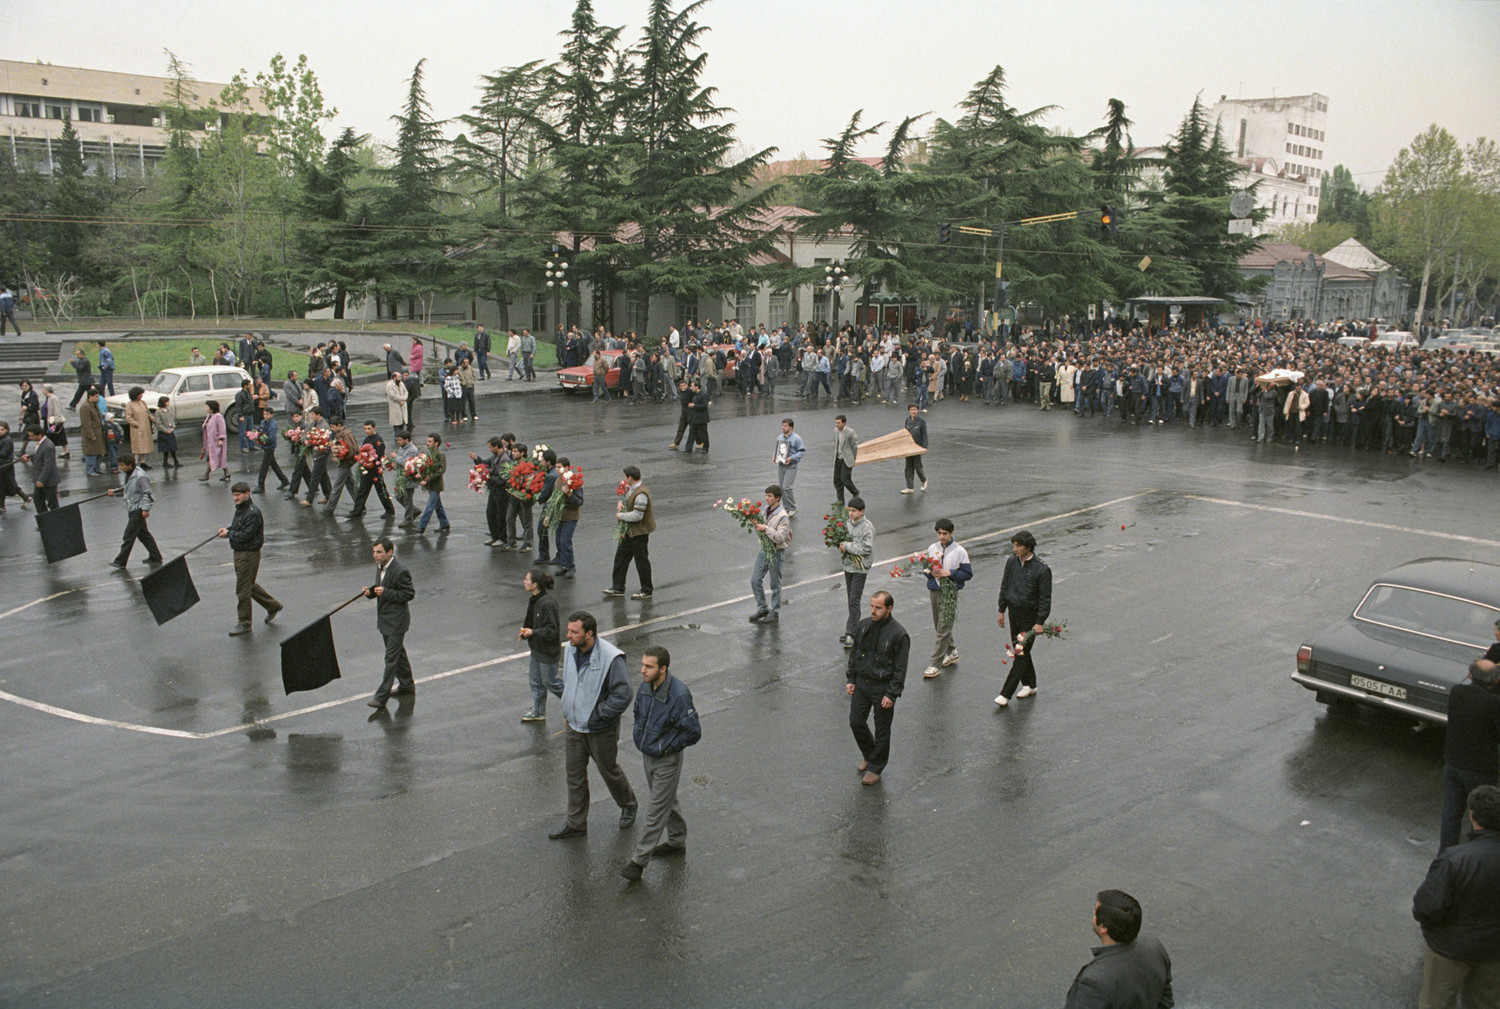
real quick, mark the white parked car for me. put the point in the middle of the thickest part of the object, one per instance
(189, 388)
(1395, 338)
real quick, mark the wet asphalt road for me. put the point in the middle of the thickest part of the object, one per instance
(325, 857)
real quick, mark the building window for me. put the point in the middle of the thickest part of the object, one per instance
(90, 114)
(687, 308)
(27, 108)
(776, 312)
(1244, 125)
(744, 309)
(820, 306)
(55, 111)
(539, 313)
(635, 314)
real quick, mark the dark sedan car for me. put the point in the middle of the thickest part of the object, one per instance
(1409, 641)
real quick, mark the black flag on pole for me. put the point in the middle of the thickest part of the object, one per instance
(308, 658)
(169, 590)
(62, 533)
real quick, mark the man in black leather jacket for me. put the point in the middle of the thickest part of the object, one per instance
(876, 675)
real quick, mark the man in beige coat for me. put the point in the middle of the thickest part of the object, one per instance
(138, 419)
(396, 399)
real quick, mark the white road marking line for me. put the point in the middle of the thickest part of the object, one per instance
(244, 726)
(91, 720)
(1162, 638)
(1387, 526)
(44, 599)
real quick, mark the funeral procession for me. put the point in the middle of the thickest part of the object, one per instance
(1008, 539)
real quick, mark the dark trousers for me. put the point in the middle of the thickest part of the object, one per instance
(698, 437)
(632, 548)
(268, 464)
(854, 591)
(565, 544)
(246, 588)
(843, 479)
(603, 749)
(466, 409)
(397, 667)
(1458, 782)
(135, 529)
(45, 499)
(682, 426)
(914, 468)
(300, 472)
(518, 522)
(83, 387)
(876, 746)
(543, 545)
(319, 478)
(1022, 671)
(369, 481)
(495, 504)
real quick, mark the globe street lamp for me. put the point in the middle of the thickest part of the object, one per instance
(557, 280)
(833, 283)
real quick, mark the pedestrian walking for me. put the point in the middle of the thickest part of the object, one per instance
(405, 494)
(433, 483)
(854, 557)
(215, 450)
(1026, 592)
(1129, 970)
(542, 631)
(777, 530)
(698, 401)
(789, 452)
(637, 515)
(166, 431)
(955, 570)
(482, 346)
(43, 459)
(343, 450)
(397, 402)
(596, 692)
(246, 535)
(845, 451)
(84, 370)
(8, 310)
(393, 592)
(372, 477)
(267, 434)
(916, 426)
(684, 417)
(876, 677)
(1471, 747)
(137, 494)
(9, 483)
(1458, 907)
(106, 368)
(666, 724)
(496, 493)
(513, 353)
(567, 524)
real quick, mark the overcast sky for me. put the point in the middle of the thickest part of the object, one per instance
(795, 70)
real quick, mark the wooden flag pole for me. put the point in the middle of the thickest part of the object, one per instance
(200, 546)
(94, 497)
(342, 605)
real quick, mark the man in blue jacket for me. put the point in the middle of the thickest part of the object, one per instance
(596, 692)
(665, 724)
(789, 452)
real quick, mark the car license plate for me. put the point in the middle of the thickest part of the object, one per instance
(1376, 687)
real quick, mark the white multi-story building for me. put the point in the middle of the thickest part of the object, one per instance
(117, 117)
(1280, 138)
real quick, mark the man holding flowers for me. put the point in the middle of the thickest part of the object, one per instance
(1026, 591)
(775, 535)
(855, 535)
(946, 576)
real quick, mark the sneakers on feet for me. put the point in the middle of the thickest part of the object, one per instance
(907, 490)
(532, 716)
(924, 484)
(640, 595)
(951, 659)
(1002, 700)
(930, 672)
(611, 593)
(1026, 692)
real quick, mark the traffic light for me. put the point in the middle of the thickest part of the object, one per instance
(945, 233)
(1109, 220)
(1002, 295)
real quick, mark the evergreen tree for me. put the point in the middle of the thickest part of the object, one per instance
(72, 203)
(409, 256)
(1342, 202)
(696, 216)
(334, 246)
(498, 162)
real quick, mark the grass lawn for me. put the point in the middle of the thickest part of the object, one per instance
(147, 357)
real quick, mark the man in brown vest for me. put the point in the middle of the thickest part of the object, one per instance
(637, 515)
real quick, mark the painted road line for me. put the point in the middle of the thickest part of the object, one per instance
(1366, 523)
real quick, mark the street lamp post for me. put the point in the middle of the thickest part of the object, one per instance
(557, 279)
(833, 283)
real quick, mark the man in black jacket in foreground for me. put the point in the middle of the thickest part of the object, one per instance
(1458, 907)
(876, 675)
(1129, 970)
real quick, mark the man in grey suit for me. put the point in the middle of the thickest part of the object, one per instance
(392, 591)
(1130, 970)
(43, 459)
(846, 450)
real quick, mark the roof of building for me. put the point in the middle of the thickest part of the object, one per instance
(1354, 254)
(45, 80)
(1266, 255)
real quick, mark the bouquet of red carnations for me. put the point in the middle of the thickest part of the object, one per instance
(253, 436)
(479, 478)
(621, 528)
(368, 459)
(341, 450)
(568, 482)
(929, 566)
(1053, 629)
(418, 468)
(748, 513)
(316, 439)
(526, 480)
(836, 531)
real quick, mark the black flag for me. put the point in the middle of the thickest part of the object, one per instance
(308, 658)
(62, 533)
(169, 590)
